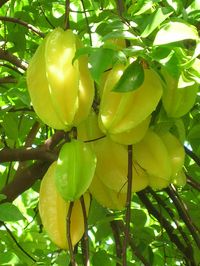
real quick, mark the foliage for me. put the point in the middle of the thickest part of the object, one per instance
(164, 224)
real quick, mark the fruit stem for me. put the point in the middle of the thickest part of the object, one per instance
(67, 10)
(69, 240)
(85, 237)
(128, 206)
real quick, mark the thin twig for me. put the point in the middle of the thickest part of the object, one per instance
(85, 237)
(67, 12)
(192, 155)
(193, 183)
(4, 55)
(68, 227)
(118, 244)
(23, 23)
(18, 245)
(128, 206)
(87, 21)
(183, 213)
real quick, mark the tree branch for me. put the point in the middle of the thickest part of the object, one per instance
(116, 235)
(165, 223)
(9, 79)
(4, 55)
(193, 183)
(25, 180)
(10, 155)
(192, 155)
(184, 214)
(23, 23)
(2, 2)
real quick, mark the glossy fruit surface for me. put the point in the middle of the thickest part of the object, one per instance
(53, 212)
(61, 91)
(120, 112)
(152, 155)
(75, 169)
(177, 101)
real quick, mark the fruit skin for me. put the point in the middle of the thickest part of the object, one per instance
(105, 196)
(112, 167)
(133, 135)
(53, 212)
(175, 150)
(177, 101)
(74, 169)
(120, 112)
(61, 92)
(152, 155)
(88, 130)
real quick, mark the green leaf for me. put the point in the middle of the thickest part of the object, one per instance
(154, 20)
(2, 197)
(131, 79)
(10, 213)
(100, 60)
(174, 32)
(101, 258)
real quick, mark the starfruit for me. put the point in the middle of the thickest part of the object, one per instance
(112, 167)
(175, 150)
(53, 212)
(120, 112)
(152, 155)
(105, 196)
(74, 169)
(177, 101)
(61, 91)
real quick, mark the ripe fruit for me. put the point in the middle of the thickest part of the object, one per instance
(74, 169)
(133, 135)
(53, 212)
(61, 92)
(105, 196)
(152, 155)
(120, 112)
(175, 150)
(112, 167)
(177, 101)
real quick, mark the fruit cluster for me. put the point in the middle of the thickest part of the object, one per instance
(96, 163)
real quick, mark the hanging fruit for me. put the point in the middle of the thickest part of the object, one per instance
(61, 90)
(53, 211)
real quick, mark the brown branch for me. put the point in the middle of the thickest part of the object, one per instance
(23, 23)
(128, 207)
(8, 79)
(10, 155)
(2, 2)
(192, 155)
(85, 237)
(193, 183)
(11, 67)
(183, 213)
(5, 55)
(118, 244)
(165, 223)
(67, 11)
(120, 6)
(133, 246)
(25, 180)
(69, 240)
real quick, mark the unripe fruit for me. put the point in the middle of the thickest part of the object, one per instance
(53, 212)
(177, 101)
(74, 169)
(61, 92)
(120, 112)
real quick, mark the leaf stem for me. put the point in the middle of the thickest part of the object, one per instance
(67, 11)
